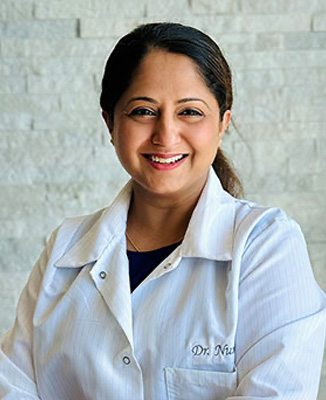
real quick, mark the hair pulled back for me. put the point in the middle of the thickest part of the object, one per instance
(128, 53)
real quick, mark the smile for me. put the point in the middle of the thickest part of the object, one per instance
(164, 160)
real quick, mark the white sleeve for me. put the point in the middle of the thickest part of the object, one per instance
(281, 326)
(17, 377)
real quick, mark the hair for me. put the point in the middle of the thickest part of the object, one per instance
(131, 49)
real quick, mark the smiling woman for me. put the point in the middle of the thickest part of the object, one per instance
(179, 290)
(166, 130)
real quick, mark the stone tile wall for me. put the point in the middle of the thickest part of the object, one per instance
(55, 157)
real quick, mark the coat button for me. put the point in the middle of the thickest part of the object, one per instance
(126, 360)
(102, 274)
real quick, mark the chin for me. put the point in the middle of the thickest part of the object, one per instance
(162, 188)
(165, 189)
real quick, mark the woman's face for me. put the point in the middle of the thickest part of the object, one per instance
(166, 129)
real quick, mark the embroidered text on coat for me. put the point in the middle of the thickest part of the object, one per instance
(215, 351)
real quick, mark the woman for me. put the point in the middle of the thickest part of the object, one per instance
(178, 290)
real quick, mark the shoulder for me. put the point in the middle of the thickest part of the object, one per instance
(76, 227)
(268, 238)
(256, 218)
(263, 225)
(242, 219)
(70, 231)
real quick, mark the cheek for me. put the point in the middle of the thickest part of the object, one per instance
(204, 139)
(121, 140)
(121, 134)
(128, 142)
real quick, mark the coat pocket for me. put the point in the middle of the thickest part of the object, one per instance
(189, 384)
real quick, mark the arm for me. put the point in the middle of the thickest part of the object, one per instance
(17, 378)
(281, 328)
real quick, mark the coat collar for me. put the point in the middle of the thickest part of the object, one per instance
(209, 234)
(97, 232)
(210, 231)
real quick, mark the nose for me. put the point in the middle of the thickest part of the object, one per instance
(166, 132)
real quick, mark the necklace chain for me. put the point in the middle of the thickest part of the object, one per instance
(137, 248)
(132, 242)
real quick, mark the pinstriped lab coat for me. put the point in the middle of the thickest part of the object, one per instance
(233, 313)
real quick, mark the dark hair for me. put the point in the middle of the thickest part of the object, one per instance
(174, 38)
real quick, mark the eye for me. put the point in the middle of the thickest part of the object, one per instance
(191, 112)
(142, 112)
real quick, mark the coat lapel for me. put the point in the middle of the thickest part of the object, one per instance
(111, 277)
(100, 240)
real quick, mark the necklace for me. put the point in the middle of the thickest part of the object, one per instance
(137, 248)
(132, 243)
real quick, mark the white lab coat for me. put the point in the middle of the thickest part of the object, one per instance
(233, 313)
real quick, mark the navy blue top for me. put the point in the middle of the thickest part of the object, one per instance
(142, 263)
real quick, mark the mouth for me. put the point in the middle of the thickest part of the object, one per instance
(164, 158)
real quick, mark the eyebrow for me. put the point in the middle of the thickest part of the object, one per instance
(143, 98)
(187, 99)
(151, 100)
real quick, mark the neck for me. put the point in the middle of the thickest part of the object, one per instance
(159, 220)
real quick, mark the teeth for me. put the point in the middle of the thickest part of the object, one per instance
(166, 160)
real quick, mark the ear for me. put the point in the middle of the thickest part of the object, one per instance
(108, 123)
(225, 121)
(107, 120)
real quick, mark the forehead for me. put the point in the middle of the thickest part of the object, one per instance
(160, 58)
(167, 71)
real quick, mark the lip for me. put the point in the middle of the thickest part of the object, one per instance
(165, 167)
(164, 155)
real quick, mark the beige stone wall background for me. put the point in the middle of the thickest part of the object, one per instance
(55, 158)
